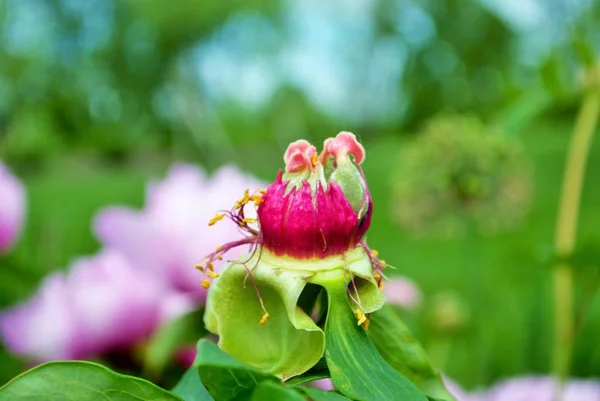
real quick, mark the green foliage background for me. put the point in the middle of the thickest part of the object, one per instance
(88, 115)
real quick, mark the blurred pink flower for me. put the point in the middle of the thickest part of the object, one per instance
(12, 208)
(543, 389)
(323, 384)
(101, 304)
(401, 291)
(171, 234)
(460, 394)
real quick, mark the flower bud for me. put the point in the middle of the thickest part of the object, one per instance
(321, 205)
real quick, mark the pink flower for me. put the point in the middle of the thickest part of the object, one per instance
(101, 304)
(543, 389)
(402, 292)
(323, 384)
(321, 206)
(12, 208)
(171, 234)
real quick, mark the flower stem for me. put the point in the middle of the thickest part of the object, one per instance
(566, 228)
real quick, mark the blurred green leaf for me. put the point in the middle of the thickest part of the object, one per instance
(271, 391)
(401, 350)
(319, 371)
(358, 371)
(224, 376)
(182, 331)
(81, 381)
(190, 388)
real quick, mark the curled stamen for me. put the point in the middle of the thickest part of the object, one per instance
(357, 299)
(252, 238)
(362, 319)
(377, 265)
(215, 219)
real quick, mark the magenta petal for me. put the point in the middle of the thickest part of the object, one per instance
(12, 208)
(304, 224)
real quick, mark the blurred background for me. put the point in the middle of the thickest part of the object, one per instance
(99, 96)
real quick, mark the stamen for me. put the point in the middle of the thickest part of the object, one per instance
(205, 284)
(262, 191)
(219, 247)
(360, 317)
(264, 318)
(212, 274)
(347, 269)
(214, 220)
(374, 253)
(314, 159)
(249, 220)
(199, 267)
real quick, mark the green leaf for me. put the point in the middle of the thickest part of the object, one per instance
(358, 371)
(190, 388)
(80, 381)
(184, 330)
(402, 351)
(272, 391)
(225, 377)
(322, 395)
(319, 371)
(290, 342)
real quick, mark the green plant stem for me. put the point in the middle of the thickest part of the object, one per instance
(566, 228)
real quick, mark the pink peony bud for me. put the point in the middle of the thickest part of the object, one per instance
(321, 205)
(12, 209)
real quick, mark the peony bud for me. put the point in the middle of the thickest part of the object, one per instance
(321, 205)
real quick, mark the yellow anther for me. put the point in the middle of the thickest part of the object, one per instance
(374, 253)
(249, 220)
(314, 159)
(377, 276)
(210, 266)
(212, 274)
(380, 285)
(205, 283)
(262, 191)
(218, 217)
(264, 319)
(382, 263)
(360, 316)
(241, 202)
(366, 325)
(219, 247)
(199, 267)
(219, 257)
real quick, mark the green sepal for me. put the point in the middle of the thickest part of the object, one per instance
(290, 342)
